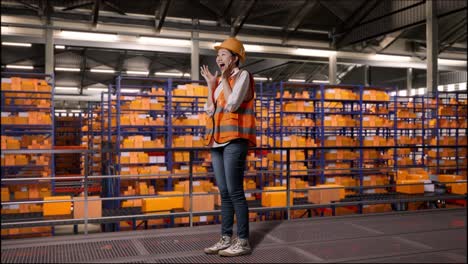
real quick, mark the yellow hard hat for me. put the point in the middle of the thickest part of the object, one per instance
(233, 45)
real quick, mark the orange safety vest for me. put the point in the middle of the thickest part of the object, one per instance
(225, 126)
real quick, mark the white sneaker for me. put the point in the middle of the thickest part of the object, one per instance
(223, 243)
(239, 247)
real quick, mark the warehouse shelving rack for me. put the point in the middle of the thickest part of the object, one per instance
(278, 133)
(68, 132)
(22, 103)
(450, 116)
(187, 106)
(9, 104)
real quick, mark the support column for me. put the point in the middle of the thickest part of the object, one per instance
(367, 75)
(332, 69)
(432, 50)
(409, 80)
(195, 57)
(49, 51)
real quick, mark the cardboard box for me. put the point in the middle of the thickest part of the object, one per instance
(319, 195)
(59, 208)
(410, 189)
(94, 207)
(200, 202)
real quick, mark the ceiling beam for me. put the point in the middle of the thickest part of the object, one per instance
(297, 19)
(296, 70)
(95, 14)
(269, 12)
(388, 40)
(219, 16)
(114, 7)
(278, 71)
(317, 69)
(341, 15)
(71, 7)
(353, 20)
(120, 63)
(93, 58)
(240, 20)
(29, 6)
(83, 69)
(458, 37)
(226, 10)
(452, 31)
(160, 14)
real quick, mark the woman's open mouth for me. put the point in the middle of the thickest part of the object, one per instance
(222, 66)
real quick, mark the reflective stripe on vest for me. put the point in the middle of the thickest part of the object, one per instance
(225, 126)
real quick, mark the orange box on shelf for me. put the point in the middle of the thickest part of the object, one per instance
(21, 195)
(94, 207)
(203, 202)
(273, 199)
(458, 188)
(449, 178)
(5, 194)
(58, 208)
(319, 195)
(410, 189)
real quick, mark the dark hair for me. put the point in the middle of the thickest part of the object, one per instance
(238, 58)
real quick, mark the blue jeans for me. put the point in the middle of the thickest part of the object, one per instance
(228, 166)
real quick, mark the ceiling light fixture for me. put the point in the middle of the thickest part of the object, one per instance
(16, 44)
(67, 69)
(88, 36)
(390, 57)
(462, 86)
(165, 41)
(25, 67)
(296, 80)
(451, 62)
(314, 52)
(65, 88)
(260, 78)
(97, 89)
(137, 72)
(102, 71)
(320, 81)
(175, 74)
(253, 48)
(59, 46)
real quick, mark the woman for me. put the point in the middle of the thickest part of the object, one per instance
(230, 132)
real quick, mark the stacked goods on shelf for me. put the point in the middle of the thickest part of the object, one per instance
(291, 124)
(26, 124)
(188, 123)
(407, 181)
(448, 131)
(67, 134)
(138, 122)
(409, 131)
(376, 135)
(338, 123)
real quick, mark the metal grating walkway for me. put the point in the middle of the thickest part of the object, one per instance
(432, 236)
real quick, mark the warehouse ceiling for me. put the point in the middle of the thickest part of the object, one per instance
(368, 26)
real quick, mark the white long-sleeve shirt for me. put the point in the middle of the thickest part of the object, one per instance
(238, 95)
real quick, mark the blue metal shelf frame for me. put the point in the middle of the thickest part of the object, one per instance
(32, 129)
(440, 97)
